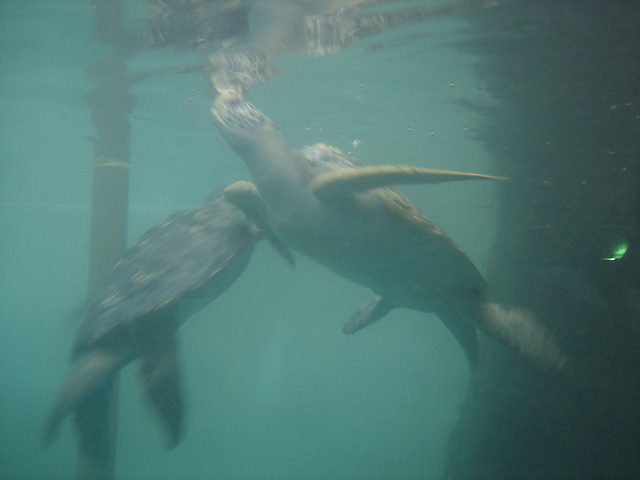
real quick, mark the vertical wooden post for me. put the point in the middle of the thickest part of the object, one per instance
(109, 102)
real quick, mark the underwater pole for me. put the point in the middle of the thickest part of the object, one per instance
(110, 103)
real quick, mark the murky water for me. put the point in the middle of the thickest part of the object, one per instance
(274, 389)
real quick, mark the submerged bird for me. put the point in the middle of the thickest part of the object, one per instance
(347, 216)
(174, 269)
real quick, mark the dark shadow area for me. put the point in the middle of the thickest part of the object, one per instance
(566, 130)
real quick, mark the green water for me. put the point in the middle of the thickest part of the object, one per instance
(274, 389)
